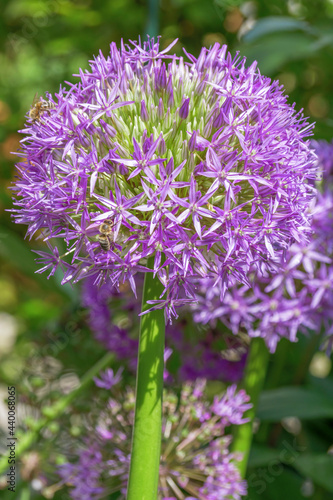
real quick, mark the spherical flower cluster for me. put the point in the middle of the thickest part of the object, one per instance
(200, 165)
(195, 460)
(299, 296)
(113, 320)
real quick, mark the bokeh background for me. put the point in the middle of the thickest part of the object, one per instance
(45, 344)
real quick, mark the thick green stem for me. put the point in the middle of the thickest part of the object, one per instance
(146, 443)
(254, 378)
(152, 26)
(51, 413)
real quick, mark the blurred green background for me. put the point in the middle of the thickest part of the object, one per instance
(42, 44)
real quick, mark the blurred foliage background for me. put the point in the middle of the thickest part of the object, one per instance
(44, 342)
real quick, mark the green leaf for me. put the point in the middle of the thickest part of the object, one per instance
(273, 51)
(261, 455)
(274, 483)
(16, 251)
(319, 467)
(322, 385)
(293, 402)
(273, 24)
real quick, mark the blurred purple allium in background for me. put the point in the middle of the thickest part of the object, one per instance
(202, 165)
(85, 479)
(298, 296)
(113, 320)
(195, 459)
(108, 378)
(324, 151)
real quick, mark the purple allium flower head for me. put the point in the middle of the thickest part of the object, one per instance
(195, 459)
(113, 319)
(295, 297)
(201, 165)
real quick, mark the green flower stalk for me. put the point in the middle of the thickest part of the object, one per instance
(146, 444)
(254, 378)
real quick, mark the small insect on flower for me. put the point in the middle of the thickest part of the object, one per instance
(106, 236)
(106, 226)
(38, 107)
